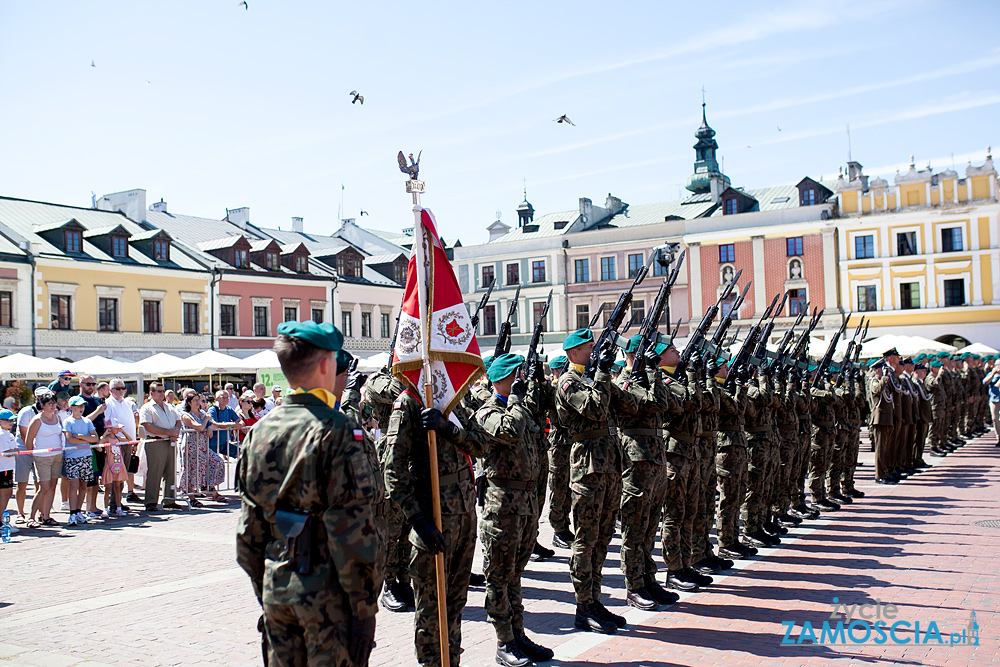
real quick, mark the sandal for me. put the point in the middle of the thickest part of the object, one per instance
(219, 498)
(50, 522)
(196, 503)
(34, 524)
(21, 519)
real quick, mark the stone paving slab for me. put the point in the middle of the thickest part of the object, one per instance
(165, 590)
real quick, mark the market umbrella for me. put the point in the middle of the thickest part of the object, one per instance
(26, 367)
(978, 348)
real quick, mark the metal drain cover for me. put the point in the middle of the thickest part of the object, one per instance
(989, 523)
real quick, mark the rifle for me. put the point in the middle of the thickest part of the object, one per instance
(392, 343)
(786, 339)
(714, 346)
(857, 348)
(503, 338)
(482, 303)
(803, 340)
(528, 367)
(849, 354)
(746, 350)
(609, 334)
(706, 321)
(825, 361)
(647, 330)
(765, 335)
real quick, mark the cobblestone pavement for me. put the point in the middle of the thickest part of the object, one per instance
(166, 590)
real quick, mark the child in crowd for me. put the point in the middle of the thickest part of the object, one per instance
(7, 443)
(115, 472)
(79, 432)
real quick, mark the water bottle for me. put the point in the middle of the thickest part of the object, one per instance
(5, 528)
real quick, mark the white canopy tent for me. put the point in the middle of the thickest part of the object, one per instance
(211, 362)
(907, 346)
(978, 348)
(374, 362)
(26, 367)
(158, 364)
(99, 366)
(263, 359)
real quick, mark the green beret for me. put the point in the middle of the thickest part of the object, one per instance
(661, 348)
(324, 336)
(578, 338)
(633, 344)
(503, 365)
(935, 364)
(942, 355)
(813, 367)
(487, 361)
(965, 355)
(343, 360)
(617, 366)
(562, 361)
(720, 362)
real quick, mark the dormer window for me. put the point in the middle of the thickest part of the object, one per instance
(272, 261)
(809, 197)
(119, 246)
(72, 241)
(301, 263)
(731, 207)
(242, 259)
(161, 251)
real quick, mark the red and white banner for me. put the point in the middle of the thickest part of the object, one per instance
(433, 311)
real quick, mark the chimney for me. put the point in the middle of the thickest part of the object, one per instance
(130, 202)
(239, 216)
(297, 224)
(586, 211)
(159, 206)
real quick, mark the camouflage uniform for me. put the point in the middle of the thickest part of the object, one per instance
(508, 527)
(924, 417)
(560, 499)
(595, 475)
(937, 431)
(802, 404)
(841, 434)
(309, 457)
(731, 464)
(679, 501)
(855, 405)
(407, 476)
(541, 400)
(787, 433)
(705, 479)
(824, 432)
(644, 477)
(758, 430)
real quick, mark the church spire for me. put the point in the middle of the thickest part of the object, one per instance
(706, 164)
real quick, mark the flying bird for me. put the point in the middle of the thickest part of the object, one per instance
(564, 119)
(413, 168)
(357, 97)
(244, 4)
(92, 64)
(779, 129)
(363, 212)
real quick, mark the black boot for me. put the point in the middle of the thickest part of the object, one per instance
(603, 611)
(854, 493)
(404, 591)
(540, 553)
(723, 563)
(477, 580)
(536, 652)
(511, 655)
(695, 577)
(641, 599)
(706, 567)
(563, 539)
(657, 592)
(678, 582)
(589, 620)
(733, 552)
(391, 598)
(757, 540)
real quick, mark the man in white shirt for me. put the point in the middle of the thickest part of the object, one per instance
(275, 399)
(119, 413)
(259, 389)
(161, 421)
(234, 403)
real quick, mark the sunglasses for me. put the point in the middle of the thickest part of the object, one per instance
(118, 389)
(88, 384)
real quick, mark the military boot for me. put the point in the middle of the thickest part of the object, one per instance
(854, 493)
(696, 577)
(606, 613)
(706, 567)
(723, 563)
(842, 498)
(677, 581)
(511, 655)
(733, 552)
(658, 593)
(563, 539)
(590, 620)
(641, 599)
(536, 652)
(391, 598)
(477, 580)
(540, 553)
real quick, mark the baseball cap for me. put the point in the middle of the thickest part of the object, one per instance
(275, 388)
(7, 414)
(42, 391)
(67, 373)
(77, 400)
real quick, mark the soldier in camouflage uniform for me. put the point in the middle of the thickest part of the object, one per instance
(560, 499)
(786, 429)
(408, 481)
(824, 434)
(307, 532)
(926, 415)
(803, 406)
(841, 449)
(643, 478)
(731, 467)
(595, 475)
(540, 402)
(759, 426)
(509, 524)
(936, 390)
(856, 407)
(705, 479)
(380, 391)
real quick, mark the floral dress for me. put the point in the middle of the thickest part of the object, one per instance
(201, 468)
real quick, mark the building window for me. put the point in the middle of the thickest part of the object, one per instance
(538, 271)
(659, 269)
(726, 306)
(151, 316)
(951, 239)
(366, 325)
(72, 240)
(867, 300)
(635, 263)
(317, 315)
(513, 274)
(489, 320)
(638, 311)
(582, 316)
(346, 323)
(260, 327)
(60, 311)
(291, 314)
(242, 259)
(301, 263)
(227, 320)
(608, 268)
(399, 272)
(488, 277)
(793, 245)
(536, 314)
(796, 301)
(906, 243)
(731, 207)
(272, 261)
(161, 251)
(191, 317)
(727, 253)
(954, 292)
(107, 314)
(119, 246)
(385, 325)
(909, 296)
(606, 309)
(6, 309)
(347, 265)
(582, 270)
(809, 197)
(864, 247)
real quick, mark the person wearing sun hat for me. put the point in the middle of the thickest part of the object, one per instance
(306, 482)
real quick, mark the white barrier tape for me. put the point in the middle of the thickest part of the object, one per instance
(22, 452)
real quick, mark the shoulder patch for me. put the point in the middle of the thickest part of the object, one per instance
(397, 405)
(359, 434)
(565, 385)
(667, 380)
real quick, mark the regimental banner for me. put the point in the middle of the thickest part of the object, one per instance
(433, 311)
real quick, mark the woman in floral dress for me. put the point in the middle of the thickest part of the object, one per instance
(201, 469)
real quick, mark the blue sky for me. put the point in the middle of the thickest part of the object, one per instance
(209, 106)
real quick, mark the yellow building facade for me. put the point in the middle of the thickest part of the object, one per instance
(922, 256)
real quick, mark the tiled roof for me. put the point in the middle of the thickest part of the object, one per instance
(546, 227)
(262, 245)
(216, 244)
(104, 231)
(383, 259)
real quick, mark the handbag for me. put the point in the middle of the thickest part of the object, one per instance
(133, 464)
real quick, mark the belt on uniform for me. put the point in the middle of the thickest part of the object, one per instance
(511, 483)
(380, 508)
(455, 477)
(683, 437)
(706, 434)
(638, 432)
(759, 429)
(825, 424)
(590, 435)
